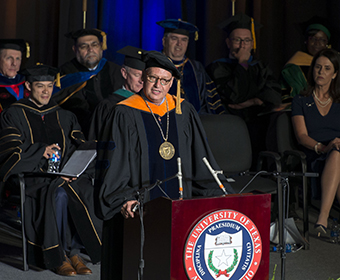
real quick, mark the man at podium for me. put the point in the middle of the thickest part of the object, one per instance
(145, 134)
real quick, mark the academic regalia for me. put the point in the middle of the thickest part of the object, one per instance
(103, 109)
(131, 160)
(294, 75)
(30, 129)
(236, 85)
(133, 60)
(82, 97)
(11, 90)
(197, 87)
(133, 139)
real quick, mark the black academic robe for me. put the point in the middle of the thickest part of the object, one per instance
(131, 160)
(104, 108)
(29, 130)
(82, 98)
(197, 87)
(235, 84)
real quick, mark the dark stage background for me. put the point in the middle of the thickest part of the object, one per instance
(132, 22)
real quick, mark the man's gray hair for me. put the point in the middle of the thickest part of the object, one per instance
(127, 68)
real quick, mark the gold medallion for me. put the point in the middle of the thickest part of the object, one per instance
(166, 150)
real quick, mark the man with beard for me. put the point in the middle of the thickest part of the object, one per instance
(11, 83)
(89, 78)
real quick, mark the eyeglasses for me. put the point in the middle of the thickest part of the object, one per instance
(94, 45)
(319, 40)
(153, 79)
(246, 41)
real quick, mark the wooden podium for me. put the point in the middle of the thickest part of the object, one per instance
(169, 225)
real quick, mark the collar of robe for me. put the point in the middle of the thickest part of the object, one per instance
(136, 101)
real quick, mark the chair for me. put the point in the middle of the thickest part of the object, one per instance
(292, 160)
(19, 202)
(229, 141)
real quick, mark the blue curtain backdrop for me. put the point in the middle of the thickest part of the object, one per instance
(133, 22)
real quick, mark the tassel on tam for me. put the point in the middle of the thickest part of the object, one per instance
(178, 98)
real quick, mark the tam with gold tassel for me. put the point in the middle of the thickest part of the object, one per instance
(57, 80)
(85, 32)
(104, 46)
(28, 50)
(241, 21)
(179, 26)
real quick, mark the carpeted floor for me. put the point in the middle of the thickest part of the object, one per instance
(320, 262)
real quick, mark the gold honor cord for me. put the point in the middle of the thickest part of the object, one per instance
(233, 7)
(84, 13)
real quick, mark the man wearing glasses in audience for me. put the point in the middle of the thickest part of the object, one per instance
(88, 78)
(247, 86)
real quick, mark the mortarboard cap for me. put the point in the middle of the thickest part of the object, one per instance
(157, 59)
(16, 44)
(179, 26)
(133, 57)
(317, 23)
(40, 73)
(241, 21)
(85, 32)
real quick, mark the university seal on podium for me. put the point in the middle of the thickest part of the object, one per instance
(225, 244)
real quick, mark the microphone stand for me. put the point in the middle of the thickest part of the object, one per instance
(282, 190)
(140, 194)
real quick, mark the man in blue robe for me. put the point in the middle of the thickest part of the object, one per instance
(196, 86)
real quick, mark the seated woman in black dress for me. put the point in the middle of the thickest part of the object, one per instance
(315, 116)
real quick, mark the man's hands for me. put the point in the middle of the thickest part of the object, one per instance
(49, 151)
(126, 209)
(68, 179)
(242, 55)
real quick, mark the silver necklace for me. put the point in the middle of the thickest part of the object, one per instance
(322, 103)
(166, 149)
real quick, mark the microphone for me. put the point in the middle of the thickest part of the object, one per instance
(214, 173)
(179, 175)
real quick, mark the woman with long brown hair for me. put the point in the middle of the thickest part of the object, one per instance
(316, 122)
